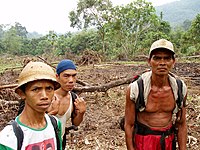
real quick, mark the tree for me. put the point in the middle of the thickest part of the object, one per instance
(52, 39)
(20, 30)
(12, 41)
(63, 43)
(186, 24)
(190, 41)
(1, 30)
(129, 23)
(2, 49)
(195, 30)
(91, 13)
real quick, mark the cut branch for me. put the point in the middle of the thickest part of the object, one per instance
(105, 87)
(5, 103)
(8, 86)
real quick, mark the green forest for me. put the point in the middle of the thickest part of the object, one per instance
(115, 32)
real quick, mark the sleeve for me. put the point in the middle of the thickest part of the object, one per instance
(3, 147)
(8, 140)
(184, 88)
(134, 91)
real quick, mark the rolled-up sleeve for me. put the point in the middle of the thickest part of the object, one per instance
(134, 91)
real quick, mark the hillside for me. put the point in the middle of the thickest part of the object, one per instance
(178, 11)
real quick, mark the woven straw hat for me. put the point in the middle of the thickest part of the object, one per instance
(36, 71)
(162, 43)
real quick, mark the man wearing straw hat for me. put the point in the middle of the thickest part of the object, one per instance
(149, 125)
(36, 85)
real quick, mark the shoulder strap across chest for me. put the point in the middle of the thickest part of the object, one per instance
(140, 100)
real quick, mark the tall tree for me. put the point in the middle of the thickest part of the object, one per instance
(12, 41)
(129, 23)
(52, 39)
(20, 30)
(195, 30)
(191, 39)
(2, 49)
(186, 24)
(1, 30)
(91, 13)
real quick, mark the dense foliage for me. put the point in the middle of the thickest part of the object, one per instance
(119, 32)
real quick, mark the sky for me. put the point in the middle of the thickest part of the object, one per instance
(43, 16)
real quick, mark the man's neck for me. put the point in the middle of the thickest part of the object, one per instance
(159, 81)
(32, 119)
(61, 92)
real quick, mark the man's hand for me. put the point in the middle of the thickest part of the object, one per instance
(80, 108)
(80, 105)
(54, 107)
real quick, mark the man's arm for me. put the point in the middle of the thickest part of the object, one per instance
(182, 128)
(129, 120)
(80, 108)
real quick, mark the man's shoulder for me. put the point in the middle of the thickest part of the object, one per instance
(7, 130)
(73, 95)
(7, 137)
(54, 121)
(177, 82)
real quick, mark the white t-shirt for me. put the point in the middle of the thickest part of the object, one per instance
(34, 139)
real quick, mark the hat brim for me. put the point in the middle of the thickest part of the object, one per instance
(161, 48)
(55, 83)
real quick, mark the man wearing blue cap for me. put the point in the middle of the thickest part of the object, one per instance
(62, 105)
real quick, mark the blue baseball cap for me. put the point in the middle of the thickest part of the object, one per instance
(65, 65)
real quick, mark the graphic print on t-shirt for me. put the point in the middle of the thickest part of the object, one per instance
(45, 145)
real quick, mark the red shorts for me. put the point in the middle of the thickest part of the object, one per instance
(152, 142)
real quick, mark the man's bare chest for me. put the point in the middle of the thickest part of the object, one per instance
(63, 106)
(160, 100)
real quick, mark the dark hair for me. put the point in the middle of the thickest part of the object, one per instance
(23, 87)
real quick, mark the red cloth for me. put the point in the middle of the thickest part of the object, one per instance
(152, 142)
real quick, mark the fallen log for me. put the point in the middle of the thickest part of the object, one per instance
(196, 56)
(8, 86)
(89, 88)
(6, 103)
(104, 87)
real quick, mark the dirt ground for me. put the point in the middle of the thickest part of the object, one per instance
(100, 129)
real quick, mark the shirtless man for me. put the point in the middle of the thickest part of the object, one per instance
(160, 93)
(62, 105)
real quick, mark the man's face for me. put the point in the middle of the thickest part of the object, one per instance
(38, 95)
(161, 62)
(67, 79)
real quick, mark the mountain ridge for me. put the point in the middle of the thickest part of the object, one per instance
(179, 11)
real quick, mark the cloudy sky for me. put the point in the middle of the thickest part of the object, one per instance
(44, 15)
